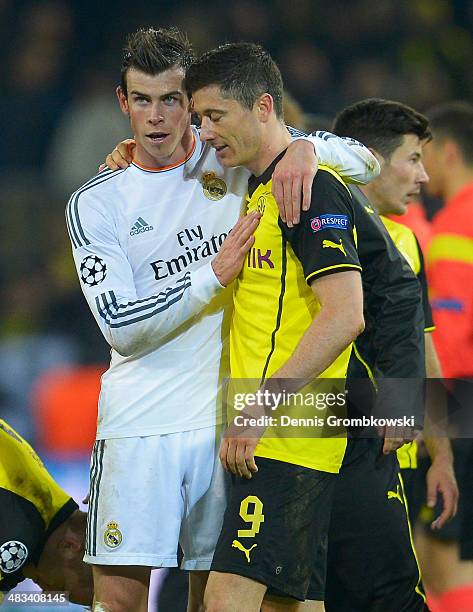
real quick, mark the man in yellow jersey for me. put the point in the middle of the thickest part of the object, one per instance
(298, 308)
(371, 560)
(42, 531)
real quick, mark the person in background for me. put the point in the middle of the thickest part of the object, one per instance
(396, 134)
(449, 162)
(42, 530)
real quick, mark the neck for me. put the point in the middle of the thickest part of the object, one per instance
(275, 139)
(373, 196)
(455, 181)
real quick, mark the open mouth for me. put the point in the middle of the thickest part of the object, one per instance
(157, 137)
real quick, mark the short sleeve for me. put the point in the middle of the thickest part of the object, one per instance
(21, 537)
(325, 239)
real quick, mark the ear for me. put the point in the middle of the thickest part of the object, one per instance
(122, 100)
(451, 153)
(71, 544)
(265, 106)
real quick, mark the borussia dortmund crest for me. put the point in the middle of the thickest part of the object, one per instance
(261, 204)
(214, 187)
(112, 536)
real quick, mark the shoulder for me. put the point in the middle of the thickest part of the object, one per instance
(328, 179)
(101, 183)
(406, 241)
(330, 194)
(399, 229)
(459, 221)
(92, 203)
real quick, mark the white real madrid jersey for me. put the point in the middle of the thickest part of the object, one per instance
(143, 241)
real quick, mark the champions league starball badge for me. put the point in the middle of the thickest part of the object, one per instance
(12, 556)
(214, 187)
(92, 270)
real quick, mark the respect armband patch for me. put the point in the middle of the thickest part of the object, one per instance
(329, 221)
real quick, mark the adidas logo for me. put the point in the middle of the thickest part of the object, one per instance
(140, 227)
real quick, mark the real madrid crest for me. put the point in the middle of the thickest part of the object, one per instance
(214, 187)
(112, 536)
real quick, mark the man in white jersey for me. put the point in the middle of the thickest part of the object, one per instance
(151, 251)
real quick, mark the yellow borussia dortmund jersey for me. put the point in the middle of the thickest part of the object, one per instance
(274, 304)
(407, 455)
(405, 240)
(32, 505)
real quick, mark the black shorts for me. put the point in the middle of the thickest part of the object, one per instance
(371, 561)
(275, 528)
(414, 488)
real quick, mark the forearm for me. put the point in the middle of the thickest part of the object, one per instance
(432, 362)
(327, 337)
(135, 326)
(435, 438)
(439, 448)
(351, 159)
(131, 321)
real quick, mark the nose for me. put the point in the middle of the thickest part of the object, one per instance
(206, 132)
(155, 115)
(423, 176)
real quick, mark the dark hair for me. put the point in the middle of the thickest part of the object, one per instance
(381, 124)
(454, 120)
(243, 71)
(154, 51)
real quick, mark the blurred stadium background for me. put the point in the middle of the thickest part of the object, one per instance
(59, 118)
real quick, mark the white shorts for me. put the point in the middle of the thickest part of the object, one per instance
(149, 493)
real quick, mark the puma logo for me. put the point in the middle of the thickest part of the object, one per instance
(396, 494)
(328, 244)
(236, 544)
(369, 209)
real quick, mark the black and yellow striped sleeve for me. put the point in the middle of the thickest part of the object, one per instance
(325, 239)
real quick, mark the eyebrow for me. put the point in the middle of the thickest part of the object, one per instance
(165, 95)
(172, 93)
(209, 111)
